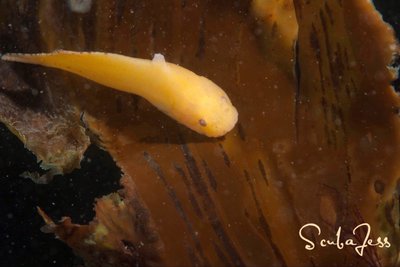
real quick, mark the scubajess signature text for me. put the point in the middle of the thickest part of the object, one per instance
(361, 238)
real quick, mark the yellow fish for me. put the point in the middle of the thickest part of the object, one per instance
(192, 100)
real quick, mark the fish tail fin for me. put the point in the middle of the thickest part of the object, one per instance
(39, 58)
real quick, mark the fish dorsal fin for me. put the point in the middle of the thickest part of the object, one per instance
(158, 57)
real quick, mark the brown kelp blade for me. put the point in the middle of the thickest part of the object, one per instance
(320, 148)
(346, 124)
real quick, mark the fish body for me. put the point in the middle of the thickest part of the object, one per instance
(190, 99)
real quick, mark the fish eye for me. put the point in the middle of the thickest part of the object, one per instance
(202, 122)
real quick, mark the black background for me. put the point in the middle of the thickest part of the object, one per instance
(21, 241)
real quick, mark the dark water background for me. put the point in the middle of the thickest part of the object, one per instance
(21, 241)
